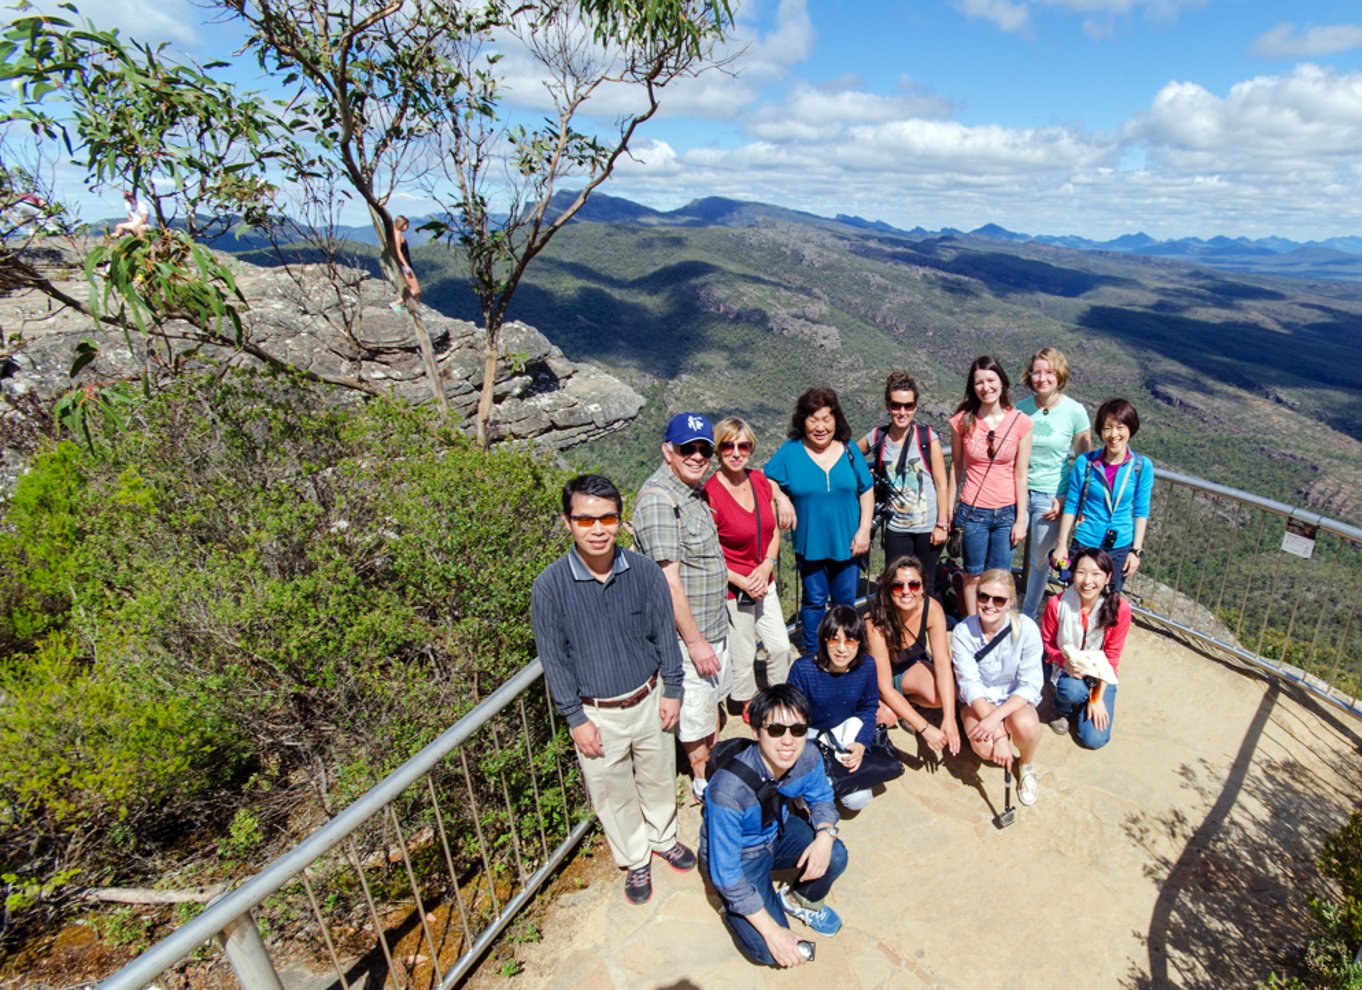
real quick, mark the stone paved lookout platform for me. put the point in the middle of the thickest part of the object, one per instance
(1179, 856)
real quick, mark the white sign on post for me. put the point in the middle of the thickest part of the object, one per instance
(1299, 538)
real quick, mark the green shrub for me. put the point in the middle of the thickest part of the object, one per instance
(248, 584)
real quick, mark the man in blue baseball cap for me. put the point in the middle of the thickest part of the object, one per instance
(672, 525)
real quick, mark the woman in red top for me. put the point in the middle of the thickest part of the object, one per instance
(740, 498)
(1088, 617)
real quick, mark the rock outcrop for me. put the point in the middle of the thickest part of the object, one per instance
(343, 328)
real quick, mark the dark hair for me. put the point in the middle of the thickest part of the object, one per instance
(970, 404)
(1111, 600)
(774, 698)
(1121, 410)
(591, 484)
(900, 381)
(840, 619)
(883, 612)
(812, 401)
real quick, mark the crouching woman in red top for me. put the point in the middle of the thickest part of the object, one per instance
(1083, 632)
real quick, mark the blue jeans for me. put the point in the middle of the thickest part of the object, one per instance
(783, 854)
(987, 537)
(1118, 557)
(1043, 533)
(821, 582)
(1071, 701)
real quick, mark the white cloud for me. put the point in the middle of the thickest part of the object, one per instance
(1283, 41)
(1309, 119)
(811, 113)
(1008, 16)
(166, 20)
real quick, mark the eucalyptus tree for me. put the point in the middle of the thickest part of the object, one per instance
(416, 92)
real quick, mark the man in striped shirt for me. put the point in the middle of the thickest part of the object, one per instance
(604, 629)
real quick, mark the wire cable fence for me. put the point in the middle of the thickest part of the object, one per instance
(409, 885)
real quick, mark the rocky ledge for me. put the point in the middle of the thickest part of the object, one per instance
(341, 327)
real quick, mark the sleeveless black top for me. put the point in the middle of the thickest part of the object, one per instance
(918, 651)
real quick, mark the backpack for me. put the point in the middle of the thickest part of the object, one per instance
(923, 435)
(723, 757)
(924, 446)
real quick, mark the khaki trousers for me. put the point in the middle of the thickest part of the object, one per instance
(633, 786)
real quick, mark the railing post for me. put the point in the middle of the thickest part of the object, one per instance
(248, 956)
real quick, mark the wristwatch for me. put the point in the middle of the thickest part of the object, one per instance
(831, 830)
(1137, 551)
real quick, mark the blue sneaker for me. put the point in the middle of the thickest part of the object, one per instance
(825, 921)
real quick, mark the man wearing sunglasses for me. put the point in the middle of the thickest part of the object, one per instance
(673, 525)
(748, 832)
(603, 626)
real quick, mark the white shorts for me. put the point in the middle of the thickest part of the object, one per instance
(700, 703)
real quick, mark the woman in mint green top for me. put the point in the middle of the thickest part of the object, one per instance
(1059, 428)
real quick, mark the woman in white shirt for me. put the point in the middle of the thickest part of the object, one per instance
(996, 654)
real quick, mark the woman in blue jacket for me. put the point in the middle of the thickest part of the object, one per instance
(1107, 506)
(826, 478)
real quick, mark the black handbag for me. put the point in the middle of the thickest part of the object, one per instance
(879, 764)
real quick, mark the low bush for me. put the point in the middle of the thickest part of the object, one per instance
(247, 583)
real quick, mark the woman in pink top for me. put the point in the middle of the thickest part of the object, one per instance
(1089, 616)
(990, 450)
(740, 499)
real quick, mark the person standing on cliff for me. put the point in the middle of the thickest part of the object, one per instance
(672, 524)
(603, 626)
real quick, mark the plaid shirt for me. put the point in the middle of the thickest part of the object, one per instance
(692, 540)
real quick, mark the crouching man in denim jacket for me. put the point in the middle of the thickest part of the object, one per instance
(749, 832)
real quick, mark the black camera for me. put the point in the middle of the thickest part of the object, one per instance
(1109, 539)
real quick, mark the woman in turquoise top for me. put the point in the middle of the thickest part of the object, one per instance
(1059, 427)
(1107, 505)
(825, 477)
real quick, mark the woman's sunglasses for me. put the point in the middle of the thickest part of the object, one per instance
(775, 729)
(902, 406)
(992, 450)
(741, 446)
(899, 587)
(999, 601)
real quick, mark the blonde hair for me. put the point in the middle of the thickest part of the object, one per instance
(1000, 575)
(1058, 362)
(736, 429)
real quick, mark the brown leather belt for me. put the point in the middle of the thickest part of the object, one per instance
(628, 701)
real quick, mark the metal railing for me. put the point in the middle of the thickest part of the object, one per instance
(1214, 573)
(413, 881)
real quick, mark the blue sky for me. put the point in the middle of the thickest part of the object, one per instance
(1093, 117)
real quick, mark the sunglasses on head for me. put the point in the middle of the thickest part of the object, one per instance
(902, 406)
(992, 450)
(694, 447)
(899, 587)
(775, 729)
(586, 522)
(741, 446)
(998, 600)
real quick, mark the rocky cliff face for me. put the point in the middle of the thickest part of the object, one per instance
(338, 326)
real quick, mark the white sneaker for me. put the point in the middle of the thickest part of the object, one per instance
(697, 787)
(1027, 785)
(1061, 726)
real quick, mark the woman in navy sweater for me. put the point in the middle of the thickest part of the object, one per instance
(841, 684)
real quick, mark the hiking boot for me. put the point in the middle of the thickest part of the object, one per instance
(823, 920)
(678, 857)
(1061, 726)
(638, 885)
(1027, 785)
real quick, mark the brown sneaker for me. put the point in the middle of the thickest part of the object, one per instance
(678, 857)
(638, 885)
